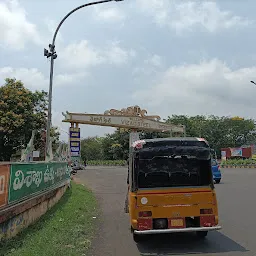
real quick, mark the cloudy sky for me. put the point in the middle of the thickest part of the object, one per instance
(169, 57)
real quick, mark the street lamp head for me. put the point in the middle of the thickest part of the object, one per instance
(252, 82)
(46, 53)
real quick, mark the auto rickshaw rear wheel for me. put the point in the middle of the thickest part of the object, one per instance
(202, 234)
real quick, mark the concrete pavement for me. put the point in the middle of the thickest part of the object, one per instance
(237, 210)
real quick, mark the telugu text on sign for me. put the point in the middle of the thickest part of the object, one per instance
(29, 179)
(132, 122)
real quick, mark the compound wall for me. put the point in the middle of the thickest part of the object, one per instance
(27, 191)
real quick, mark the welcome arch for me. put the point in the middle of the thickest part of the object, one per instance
(132, 118)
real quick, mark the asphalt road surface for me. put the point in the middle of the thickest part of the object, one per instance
(237, 210)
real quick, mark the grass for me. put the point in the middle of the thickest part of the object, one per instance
(66, 229)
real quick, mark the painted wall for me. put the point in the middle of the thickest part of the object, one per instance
(27, 191)
(13, 226)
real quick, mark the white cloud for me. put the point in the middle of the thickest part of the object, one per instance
(154, 60)
(151, 68)
(32, 78)
(80, 54)
(83, 55)
(36, 80)
(69, 79)
(51, 26)
(114, 54)
(15, 28)
(185, 15)
(111, 14)
(152, 64)
(156, 8)
(209, 87)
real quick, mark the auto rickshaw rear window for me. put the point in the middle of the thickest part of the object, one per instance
(180, 164)
(173, 172)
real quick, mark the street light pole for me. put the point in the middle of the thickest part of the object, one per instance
(53, 55)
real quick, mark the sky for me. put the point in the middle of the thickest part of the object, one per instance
(167, 56)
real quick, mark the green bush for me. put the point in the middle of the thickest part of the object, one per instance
(238, 162)
(107, 162)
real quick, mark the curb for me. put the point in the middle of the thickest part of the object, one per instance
(241, 166)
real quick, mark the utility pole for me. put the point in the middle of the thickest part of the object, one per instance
(51, 53)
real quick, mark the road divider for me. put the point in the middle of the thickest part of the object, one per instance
(238, 166)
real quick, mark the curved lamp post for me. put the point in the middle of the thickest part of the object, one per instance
(53, 55)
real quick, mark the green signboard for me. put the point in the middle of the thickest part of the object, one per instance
(27, 180)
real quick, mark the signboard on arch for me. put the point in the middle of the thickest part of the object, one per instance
(127, 118)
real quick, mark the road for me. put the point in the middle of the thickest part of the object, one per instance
(237, 210)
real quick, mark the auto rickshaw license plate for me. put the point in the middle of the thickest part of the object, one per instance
(177, 223)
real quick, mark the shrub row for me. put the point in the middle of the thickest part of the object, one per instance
(106, 162)
(235, 162)
(238, 162)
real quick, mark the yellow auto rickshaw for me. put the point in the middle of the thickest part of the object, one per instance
(170, 187)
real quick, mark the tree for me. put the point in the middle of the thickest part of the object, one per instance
(193, 125)
(91, 148)
(40, 140)
(154, 135)
(21, 112)
(113, 146)
(116, 145)
(220, 132)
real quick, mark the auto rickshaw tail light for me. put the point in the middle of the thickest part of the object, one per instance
(145, 214)
(207, 221)
(206, 211)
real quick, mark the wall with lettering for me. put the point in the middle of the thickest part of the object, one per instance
(20, 184)
(21, 181)
(28, 180)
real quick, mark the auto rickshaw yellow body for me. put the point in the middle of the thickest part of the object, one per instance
(171, 209)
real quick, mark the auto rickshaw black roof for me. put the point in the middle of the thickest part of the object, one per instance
(172, 147)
